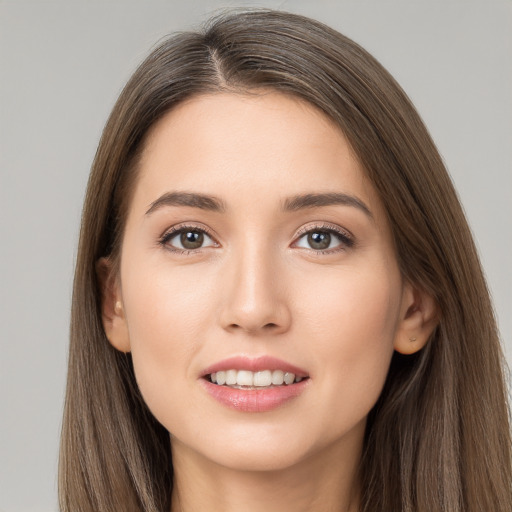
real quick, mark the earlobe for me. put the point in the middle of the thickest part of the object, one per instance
(112, 311)
(418, 319)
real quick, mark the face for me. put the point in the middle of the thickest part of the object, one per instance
(256, 252)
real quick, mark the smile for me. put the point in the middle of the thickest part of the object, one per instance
(254, 385)
(246, 379)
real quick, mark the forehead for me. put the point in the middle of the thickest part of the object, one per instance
(249, 147)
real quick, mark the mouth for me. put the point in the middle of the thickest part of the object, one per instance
(247, 379)
(254, 384)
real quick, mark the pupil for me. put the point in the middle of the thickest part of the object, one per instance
(192, 239)
(319, 240)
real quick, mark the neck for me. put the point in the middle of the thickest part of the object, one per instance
(326, 482)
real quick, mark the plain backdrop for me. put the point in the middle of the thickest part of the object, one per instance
(62, 65)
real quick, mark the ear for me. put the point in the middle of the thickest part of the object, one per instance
(418, 319)
(112, 311)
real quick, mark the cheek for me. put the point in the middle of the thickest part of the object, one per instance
(353, 322)
(167, 316)
(352, 305)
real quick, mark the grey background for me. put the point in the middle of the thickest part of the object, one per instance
(62, 64)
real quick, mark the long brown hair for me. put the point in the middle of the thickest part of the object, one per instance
(438, 439)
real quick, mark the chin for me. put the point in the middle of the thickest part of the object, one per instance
(263, 448)
(258, 459)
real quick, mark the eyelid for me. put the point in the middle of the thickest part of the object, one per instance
(346, 238)
(173, 231)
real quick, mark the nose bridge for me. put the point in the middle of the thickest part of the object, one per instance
(254, 298)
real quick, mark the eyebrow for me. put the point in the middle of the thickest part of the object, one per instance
(190, 199)
(291, 204)
(304, 201)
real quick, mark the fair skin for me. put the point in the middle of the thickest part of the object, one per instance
(317, 287)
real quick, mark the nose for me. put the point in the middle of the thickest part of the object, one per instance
(254, 294)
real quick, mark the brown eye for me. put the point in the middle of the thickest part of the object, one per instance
(192, 239)
(319, 240)
(187, 239)
(325, 239)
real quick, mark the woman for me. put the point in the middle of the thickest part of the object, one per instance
(277, 303)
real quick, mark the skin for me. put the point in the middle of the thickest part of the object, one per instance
(257, 287)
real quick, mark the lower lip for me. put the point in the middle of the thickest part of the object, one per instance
(255, 400)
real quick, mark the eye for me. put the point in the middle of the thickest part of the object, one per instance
(323, 239)
(187, 239)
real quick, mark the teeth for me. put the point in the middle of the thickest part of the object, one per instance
(246, 378)
(231, 377)
(289, 378)
(277, 377)
(262, 379)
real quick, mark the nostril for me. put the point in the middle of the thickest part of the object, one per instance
(269, 326)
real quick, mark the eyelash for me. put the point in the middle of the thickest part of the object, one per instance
(177, 230)
(346, 240)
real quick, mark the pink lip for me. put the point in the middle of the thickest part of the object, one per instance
(254, 400)
(257, 364)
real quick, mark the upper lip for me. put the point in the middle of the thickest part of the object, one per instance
(254, 364)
